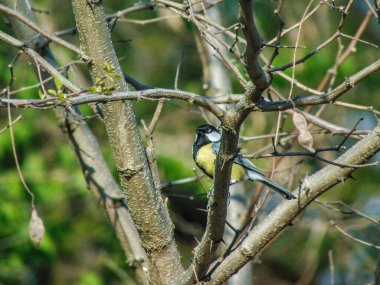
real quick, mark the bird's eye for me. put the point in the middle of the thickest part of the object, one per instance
(208, 131)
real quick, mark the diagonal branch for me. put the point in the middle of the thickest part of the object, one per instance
(38, 58)
(282, 216)
(324, 98)
(32, 25)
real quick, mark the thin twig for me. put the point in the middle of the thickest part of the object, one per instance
(44, 33)
(332, 222)
(341, 207)
(179, 182)
(16, 157)
(178, 70)
(295, 50)
(34, 55)
(332, 268)
(156, 116)
(11, 124)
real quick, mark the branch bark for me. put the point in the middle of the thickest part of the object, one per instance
(282, 216)
(152, 220)
(98, 177)
(325, 98)
(259, 78)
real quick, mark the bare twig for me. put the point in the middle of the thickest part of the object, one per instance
(280, 24)
(332, 267)
(51, 37)
(332, 222)
(306, 57)
(341, 207)
(34, 55)
(150, 94)
(254, 44)
(178, 70)
(295, 50)
(16, 157)
(324, 98)
(11, 123)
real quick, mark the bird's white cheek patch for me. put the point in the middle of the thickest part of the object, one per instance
(214, 137)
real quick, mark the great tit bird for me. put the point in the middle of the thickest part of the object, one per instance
(205, 150)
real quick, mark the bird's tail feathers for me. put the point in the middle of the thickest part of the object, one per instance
(270, 183)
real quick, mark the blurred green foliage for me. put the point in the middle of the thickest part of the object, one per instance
(80, 247)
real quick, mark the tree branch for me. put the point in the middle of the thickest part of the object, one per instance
(282, 216)
(205, 102)
(324, 98)
(38, 58)
(152, 221)
(260, 79)
(31, 24)
(205, 252)
(98, 177)
(86, 98)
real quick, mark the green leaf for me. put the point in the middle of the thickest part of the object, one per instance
(58, 83)
(92, 89)
(41, 94)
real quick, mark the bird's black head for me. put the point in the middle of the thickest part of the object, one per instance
(207, 134)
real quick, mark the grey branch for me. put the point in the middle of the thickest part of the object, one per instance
(152, 221)
(205, 102)
(32, 25)
(282, 216)
(254, 44)
(35, 56)
(98, 177)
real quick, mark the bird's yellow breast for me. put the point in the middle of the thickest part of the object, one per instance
(206, 161)
(238, 173)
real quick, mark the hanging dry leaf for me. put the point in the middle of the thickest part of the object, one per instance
(306, 140)
(299, 121)
(36, 228)
(304, 137)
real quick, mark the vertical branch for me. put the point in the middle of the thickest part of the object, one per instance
(152, 220)
(98, 177)
(281, 25)
(254, 44)
(220, 84)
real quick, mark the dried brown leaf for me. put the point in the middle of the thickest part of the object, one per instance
(36, 228)
(299, 121)
(306, 140)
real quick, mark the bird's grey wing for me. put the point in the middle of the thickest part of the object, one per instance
(247, 164)
(256, 175)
